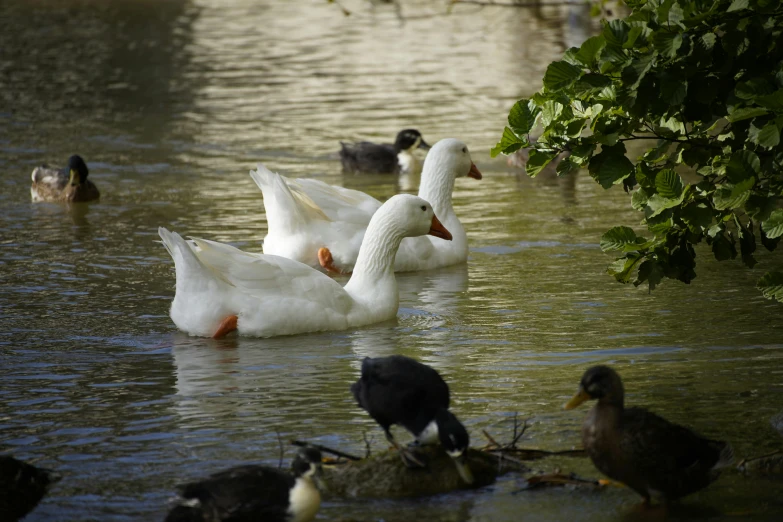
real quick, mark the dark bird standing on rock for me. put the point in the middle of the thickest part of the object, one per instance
(649, 454)
(22, 486)
(68, 184)
(254, 493)
(400, 390)
(382, 158)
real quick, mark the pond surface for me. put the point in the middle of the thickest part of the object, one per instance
(172, 103)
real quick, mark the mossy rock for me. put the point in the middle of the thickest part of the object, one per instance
(385, 476)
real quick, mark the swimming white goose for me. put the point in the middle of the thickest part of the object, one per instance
(221, 288)
(322, 225)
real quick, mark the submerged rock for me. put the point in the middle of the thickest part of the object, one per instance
(385, 476)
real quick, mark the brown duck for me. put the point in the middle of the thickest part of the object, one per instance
(68, 184)
(649, 454)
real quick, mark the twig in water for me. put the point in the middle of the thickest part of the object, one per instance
(490, 439)
(338, 453)
(517, 436)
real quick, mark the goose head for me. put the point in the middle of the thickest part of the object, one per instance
(405, 215)
(451, 156)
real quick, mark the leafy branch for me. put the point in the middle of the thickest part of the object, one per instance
(704, 82)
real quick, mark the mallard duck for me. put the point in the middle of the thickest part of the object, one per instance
(323, 225)
(220, 288)
(400, 390)
(253, 493)
(384, 158)
(22, 486)
(649, 454)
(68, 184)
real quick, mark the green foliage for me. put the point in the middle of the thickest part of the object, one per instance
(701, 84)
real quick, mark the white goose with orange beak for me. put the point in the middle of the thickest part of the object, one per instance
(221, 288)
(323, 225)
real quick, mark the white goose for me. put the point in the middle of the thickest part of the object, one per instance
(322, 225)
(221, 288)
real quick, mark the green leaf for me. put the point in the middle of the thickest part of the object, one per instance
(760, 207)
(634, 73)
(651, 272)
(522, 116)
(666, 42)
(744, 164)
(537, 161)
(622, 268)
(610, 166)
(769, 136)
(697, 216)
(639, 199)
(747, 242)
(772, 101)
(676, 14)
(657, 204)
(560, 75)
(722, 248)
(771, 285)
(745, 113)
(708, 40)
(731, 195)
(620, 238)
(615, 32)
(508, 143)
(589, 51)
(769, 244)
(673, 90)
(773, 227)
(668, 184)
(736, 5)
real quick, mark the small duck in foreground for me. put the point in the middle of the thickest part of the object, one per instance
(67, 184)
(401, 390)
(22, 486)
(254, 493)
(383, 158)
(652, 456)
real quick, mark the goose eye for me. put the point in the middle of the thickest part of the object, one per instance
(464, 149)
(423, 208)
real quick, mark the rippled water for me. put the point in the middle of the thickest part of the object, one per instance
(171, 103)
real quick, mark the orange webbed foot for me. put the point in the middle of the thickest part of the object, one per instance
(228, 325)
(327, 261)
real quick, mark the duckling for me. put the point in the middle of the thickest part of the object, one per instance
(384, 158)
(22, 486)
(254, 493)
(68, 184)
(649, 454)
(400, 390)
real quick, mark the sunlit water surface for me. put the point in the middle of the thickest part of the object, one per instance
(171, 103)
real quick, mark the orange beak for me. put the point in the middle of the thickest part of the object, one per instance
(438, 230)
(474, 172)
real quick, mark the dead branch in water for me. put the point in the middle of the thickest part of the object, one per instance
(324, 449)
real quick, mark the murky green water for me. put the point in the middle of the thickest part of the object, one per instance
(171, 103)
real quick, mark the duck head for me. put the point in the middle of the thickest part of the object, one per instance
(307, 463)
(455, 440)
(409, 139)
(601, 383)
(78, 170)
